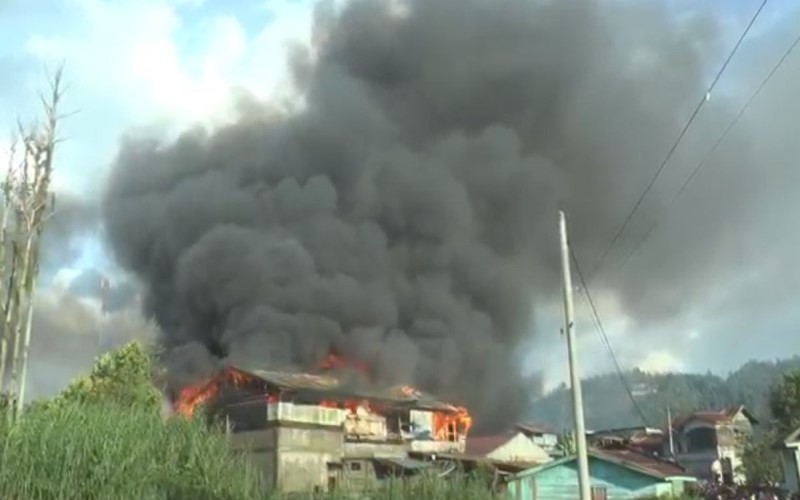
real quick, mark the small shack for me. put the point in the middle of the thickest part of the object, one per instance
(614, 474)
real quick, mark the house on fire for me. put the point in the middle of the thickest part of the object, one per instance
(315, 433)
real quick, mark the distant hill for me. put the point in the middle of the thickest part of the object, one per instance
(607, 405)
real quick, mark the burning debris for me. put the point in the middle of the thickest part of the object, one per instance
(405, 215)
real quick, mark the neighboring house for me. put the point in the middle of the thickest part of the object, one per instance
(509, 447)
(541, 436)
(614, 474)
(790, 456)
(647, 440)
(710, 444)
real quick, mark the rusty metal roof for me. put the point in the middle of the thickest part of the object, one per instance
(641, 462)
(715, 417)
(483, 445)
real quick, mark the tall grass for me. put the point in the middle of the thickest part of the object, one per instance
(110, 451)
(93, 451)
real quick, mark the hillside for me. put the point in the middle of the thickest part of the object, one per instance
(607, 404)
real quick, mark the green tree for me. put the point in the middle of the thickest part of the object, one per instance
(761, 463)
(785, 403)
(123, 376)
(761, 460)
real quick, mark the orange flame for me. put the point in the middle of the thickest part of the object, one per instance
(338, 363)
(193, 396)
(448, 426)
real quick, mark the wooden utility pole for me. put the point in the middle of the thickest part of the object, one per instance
(669, 430)
(584, 485)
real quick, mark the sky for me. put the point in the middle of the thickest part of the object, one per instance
(168, 64)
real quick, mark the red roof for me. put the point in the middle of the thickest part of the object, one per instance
(641, 462)
(483, 445)
(651, 442)
(723, 416)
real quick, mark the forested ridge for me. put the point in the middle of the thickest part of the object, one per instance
(608, 405)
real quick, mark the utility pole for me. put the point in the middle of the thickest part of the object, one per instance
(669, 430)
(584, 486)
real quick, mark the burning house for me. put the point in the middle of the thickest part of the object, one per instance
(319, 432)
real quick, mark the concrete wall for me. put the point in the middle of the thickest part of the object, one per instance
(258, 448)
(373, 450)
(358, 474)
(303, 456)
(293, 459)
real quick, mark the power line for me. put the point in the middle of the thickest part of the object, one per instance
(714, 148)
(602, 332)
(677, 142)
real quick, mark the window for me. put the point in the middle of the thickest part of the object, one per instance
(355, 466)
(701, 439)
(599, 493)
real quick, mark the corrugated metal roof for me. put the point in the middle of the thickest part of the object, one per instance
(630, 459)
(483, 445)
(534, 428)
(641, 462)
(397, 395)
(722, 416)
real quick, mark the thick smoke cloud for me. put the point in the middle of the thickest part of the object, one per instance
(406, 215)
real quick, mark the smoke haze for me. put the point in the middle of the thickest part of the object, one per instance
(406, 213)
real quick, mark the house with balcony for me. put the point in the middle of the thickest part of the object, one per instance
(709, 444)
(314, 433)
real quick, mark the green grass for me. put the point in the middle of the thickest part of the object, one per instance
(110, 451)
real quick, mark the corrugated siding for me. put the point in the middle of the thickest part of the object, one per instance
(561, 483)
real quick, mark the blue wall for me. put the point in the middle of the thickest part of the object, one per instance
(561, 482)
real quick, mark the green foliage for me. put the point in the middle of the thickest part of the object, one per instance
(566, 444)
(785, 404)
(107, 451)
(607, 405)
(123, 376)
(761, 463)
(761, 460)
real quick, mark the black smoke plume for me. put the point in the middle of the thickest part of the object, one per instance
(406, 213)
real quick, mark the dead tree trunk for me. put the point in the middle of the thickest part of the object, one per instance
(28, 197)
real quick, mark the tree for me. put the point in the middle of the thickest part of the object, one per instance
(566, 444)
(124, 376)
(785, 403)
(761, 461)
(27, 204)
